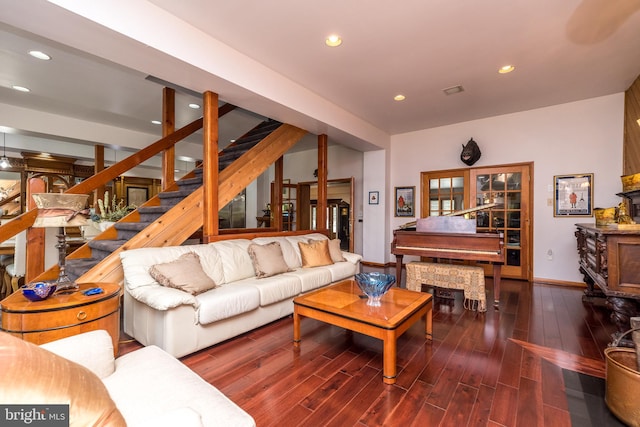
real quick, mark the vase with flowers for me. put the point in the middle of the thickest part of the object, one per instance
(110, 211)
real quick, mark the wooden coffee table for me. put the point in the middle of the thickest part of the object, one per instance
(341, 305)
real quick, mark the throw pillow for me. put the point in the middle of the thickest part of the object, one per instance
(335, 251)
(34, 376)
(184, 273)
(315, 253)
(268, 259)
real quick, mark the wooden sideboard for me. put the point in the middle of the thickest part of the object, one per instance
(610, 262)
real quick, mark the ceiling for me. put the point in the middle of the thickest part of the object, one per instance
(563, 51)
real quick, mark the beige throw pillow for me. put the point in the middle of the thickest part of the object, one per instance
(335, 251)
(34, 376)
(184, 273)
(267, 259)
(315, 253)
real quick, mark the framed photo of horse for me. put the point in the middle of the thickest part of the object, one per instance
(405, 201)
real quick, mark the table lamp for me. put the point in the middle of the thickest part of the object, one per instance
(61, 210)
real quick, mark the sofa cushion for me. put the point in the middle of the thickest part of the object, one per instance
(137, 262)
(341, 270)
(311, 278)
(291, 255)
(335, 251)
(184, 273)
(227, 301)
(277, 288)
(35, 376)
(149, 382)
(96, 355)
(315, 253)
(267, 259)
(234, 259)
(294, 240)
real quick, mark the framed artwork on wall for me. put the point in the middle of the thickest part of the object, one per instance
(404, 201)
(374, 197)
(136, 196)
(573, 195)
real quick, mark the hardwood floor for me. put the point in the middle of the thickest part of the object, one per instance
(499, 368)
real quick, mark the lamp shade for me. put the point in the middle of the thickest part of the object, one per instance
(60, 209)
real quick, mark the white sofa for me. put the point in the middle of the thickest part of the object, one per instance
(181, 323)
(148, 386)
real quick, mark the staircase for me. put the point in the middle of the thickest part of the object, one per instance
(101, 249)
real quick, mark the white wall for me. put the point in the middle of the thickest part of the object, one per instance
(578, 137)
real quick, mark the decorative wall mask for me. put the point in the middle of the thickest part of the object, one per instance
(470, 153)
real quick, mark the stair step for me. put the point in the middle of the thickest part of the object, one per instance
(106, 245)
(151, 213)
(78, 266)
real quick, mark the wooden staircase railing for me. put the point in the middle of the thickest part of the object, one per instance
(184, 219)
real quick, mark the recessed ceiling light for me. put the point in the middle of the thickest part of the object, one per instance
(399, 97)
(40, 55)
(21, 88)
(506, 69)
(194, 106)
(453, 90)
(333, 40)
(156, 122)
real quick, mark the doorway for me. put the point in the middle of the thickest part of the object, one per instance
(340, 219)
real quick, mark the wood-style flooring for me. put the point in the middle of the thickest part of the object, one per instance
(499, 368)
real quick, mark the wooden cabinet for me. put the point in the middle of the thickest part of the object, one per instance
(610, 260)
(63, 314)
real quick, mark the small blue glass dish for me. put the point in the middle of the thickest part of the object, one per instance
(374, 285)
(38, 291)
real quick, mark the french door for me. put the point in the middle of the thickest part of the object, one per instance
(509, 188)
(448, 191)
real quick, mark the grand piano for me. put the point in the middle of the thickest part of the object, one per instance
(449, 243)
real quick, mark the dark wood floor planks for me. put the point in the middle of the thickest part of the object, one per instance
(499, 368)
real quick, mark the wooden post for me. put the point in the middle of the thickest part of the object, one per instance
(321, 213)
(168, 127)
(276, 206)
(34, 264)
(98, 194)
(210, 171)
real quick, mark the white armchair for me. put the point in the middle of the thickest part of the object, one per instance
(149, 386)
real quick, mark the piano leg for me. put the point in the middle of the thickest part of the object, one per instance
(399, 270)
(496, 283)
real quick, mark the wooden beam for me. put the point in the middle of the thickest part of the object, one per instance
(168, 127)
(98, 154)
(210, 172)
(35, 236)
(321, 212)
(276, 206)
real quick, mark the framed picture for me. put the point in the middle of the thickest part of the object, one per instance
(374, 197)
(405, 197)
(573, 195)
(285, 189)
(137, 195)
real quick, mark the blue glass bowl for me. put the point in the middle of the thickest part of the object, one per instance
(38, 291)
(374, 285)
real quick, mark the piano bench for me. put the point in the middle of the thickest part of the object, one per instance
(468, 278)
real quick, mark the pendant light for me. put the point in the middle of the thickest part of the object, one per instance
(4, 161)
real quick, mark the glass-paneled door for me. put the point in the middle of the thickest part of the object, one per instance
(508, 188)
(445, 193)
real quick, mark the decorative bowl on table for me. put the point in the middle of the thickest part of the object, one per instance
(374, 285)
(38, 291)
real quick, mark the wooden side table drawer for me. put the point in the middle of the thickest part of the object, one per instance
(63, 315)
(61, 318)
